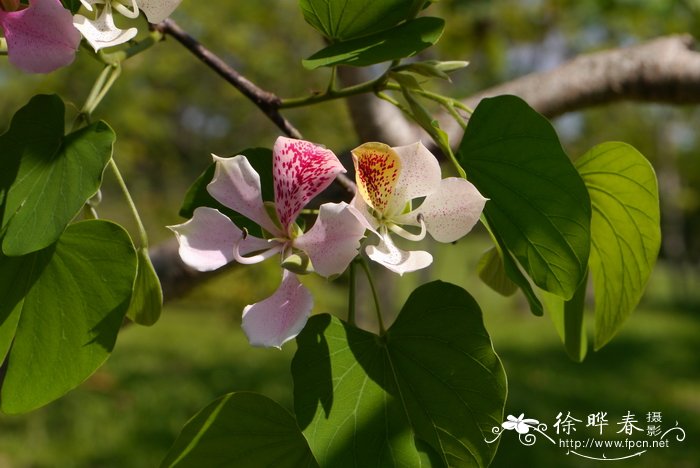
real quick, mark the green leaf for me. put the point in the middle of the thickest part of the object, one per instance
(197, 195)
(68, 304)
(363, 400)
(493, 273)
(48, 177)
(72, 5)
(568, 319)
(538, 203)
(242, 430)
(402, 41)
(349, 19)
(625, 231)
(147, 298)
(513, 272)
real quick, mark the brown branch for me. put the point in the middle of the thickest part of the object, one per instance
(266, 101)
(665, 70)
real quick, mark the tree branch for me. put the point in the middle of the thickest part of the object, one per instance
(266, 101)
(664, 70)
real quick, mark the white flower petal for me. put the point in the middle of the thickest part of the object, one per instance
(419, 176)
(207, 240)
(280, 317)
(334, 239)
(237, 186)
(395, 259)
(157, 10)
(450, 212)
(102, 32)
(365, 210)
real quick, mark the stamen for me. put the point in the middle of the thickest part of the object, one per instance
(255, 258)
(410, 236)
(124, 10)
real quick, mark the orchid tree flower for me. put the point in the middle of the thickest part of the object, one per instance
(40, 36)
(101, 31)
(301, 170)
(390, 184)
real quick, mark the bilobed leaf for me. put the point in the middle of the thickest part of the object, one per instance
(538, 204)
(348, 19)
(245, 430)
(68, 305)
(364, 400)
(147, 298)
(625, 231)
(405, 40)
(197, 195)
(49, 176)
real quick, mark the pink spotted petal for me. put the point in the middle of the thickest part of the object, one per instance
(157, 10)
(334, 239)
(420, 175)
(450, 212)
(237, 186)
(395, 259)
(41, 37)
(301, 170)
(377, 171)
(280, 317)
(207, 240)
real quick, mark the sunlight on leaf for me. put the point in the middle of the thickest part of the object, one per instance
(363, 400)
(625, 231)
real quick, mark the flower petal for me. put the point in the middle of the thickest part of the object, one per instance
(420, 175)
(358, 202)
(237, 185)
(301, 170)
(399, 261)
(334, 239)
(157, 10)
(41, 37)
(377, 169)
(102, 32)
(207, 241)
(280, 317)
(450, 212)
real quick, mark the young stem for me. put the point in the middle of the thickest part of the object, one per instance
(351, 294)
(375, 296)
(143, 237)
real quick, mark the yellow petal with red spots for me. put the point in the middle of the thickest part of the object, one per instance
(377, 168)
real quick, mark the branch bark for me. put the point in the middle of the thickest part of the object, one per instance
(664, 70)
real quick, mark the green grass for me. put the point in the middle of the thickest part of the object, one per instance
(130, 411)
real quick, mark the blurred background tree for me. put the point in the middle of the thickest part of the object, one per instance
(131, 410)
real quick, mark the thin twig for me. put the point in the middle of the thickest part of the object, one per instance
(267, 102)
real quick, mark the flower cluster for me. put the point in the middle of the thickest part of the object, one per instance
(391, 183)
(43, 36)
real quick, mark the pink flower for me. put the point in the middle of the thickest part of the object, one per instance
(301, 170)
(41, 37)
